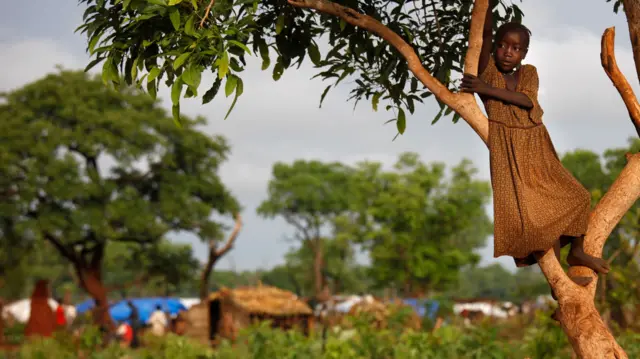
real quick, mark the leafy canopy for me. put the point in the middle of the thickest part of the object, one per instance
(143, 42)
(84, 165)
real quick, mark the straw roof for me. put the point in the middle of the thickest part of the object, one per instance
(264, 300)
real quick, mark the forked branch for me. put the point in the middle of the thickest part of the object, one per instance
(610, 65)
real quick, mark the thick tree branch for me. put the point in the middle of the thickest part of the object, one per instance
(610, 65)
(463, 103)
(632, 12)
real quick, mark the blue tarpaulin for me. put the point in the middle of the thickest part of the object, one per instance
(423, 306)
(120, 310)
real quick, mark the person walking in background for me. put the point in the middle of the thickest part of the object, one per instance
(134, 319)
(158, 321)
(61, 318)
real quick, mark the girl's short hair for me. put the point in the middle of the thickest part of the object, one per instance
(513, 27)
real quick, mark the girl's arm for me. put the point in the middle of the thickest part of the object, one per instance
(508, 96)
(473, 84)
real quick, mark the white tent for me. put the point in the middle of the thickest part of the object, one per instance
(21, 310)
(189, 302)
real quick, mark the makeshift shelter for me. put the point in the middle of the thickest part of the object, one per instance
(229, 310)
(380, 313)
(20, 310)
(120, 311)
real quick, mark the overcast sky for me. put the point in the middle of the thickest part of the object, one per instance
(281, 121)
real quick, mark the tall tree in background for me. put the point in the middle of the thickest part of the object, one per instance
(382, 44)
(419, 226)
(308, 195)
(70, 149)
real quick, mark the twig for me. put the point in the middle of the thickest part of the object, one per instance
(206, 13)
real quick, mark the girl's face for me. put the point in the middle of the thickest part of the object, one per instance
(510, 51)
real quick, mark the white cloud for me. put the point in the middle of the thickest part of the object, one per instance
(29, 60)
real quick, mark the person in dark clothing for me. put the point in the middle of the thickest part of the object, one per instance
(134, 318)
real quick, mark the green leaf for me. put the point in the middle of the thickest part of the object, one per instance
(279, 24)
(277, 71)
(175, 110)
(375, 100)
(176, 90)
(240, 45)
(314, 54)
(125, 4)
(153, 74)
(93, 63)
(437, 117)
(93, 42)
(174, 2)
(239, 90)
(324, 94)
(211, 93)
(152, 90)
(157, 2)
(174, 16)
(189, 28)
(402, 121)
(192, 76)
(265, 63)
(180, 60)
(230, 85)
(223, 65)
(343, 25)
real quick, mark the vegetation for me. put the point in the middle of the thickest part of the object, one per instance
(541, 339)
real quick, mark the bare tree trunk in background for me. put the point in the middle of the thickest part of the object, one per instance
(215, 254)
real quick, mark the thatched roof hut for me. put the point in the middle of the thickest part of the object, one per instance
(380, 312)
(229, 310)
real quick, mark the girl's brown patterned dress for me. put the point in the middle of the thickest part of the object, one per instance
(535, 199)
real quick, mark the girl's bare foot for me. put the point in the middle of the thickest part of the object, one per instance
(577, 257)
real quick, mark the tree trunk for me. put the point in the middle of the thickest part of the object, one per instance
(581, 322)
(318, 278)
(206, 274)
(215, 254)
(91, 281)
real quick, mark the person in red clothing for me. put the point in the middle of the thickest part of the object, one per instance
(61, 318)
(125, 332)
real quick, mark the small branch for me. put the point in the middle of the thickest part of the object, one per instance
(64, 251)
(610, 65)
(232, 238)
(463, 103)
(206, 13)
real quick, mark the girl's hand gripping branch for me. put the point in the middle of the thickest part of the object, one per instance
(473, 84)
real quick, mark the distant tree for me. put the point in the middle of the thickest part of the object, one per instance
(87, 166)
(419, 226)
(308, 195)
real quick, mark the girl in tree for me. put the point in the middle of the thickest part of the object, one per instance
(538, 204)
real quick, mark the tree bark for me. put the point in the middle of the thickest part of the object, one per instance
(91, 281)
(318, 277)
(581, 322)
(215, 254)
(632, 12)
